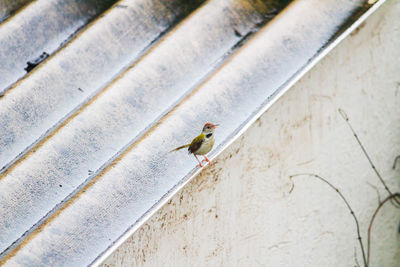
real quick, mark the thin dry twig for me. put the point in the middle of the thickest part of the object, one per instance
(377, 192)
(346, 118)
(393, 196)
(344, 200)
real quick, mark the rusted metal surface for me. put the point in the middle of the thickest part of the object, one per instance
(84, 188)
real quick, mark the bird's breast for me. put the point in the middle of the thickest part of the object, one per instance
(205, 147)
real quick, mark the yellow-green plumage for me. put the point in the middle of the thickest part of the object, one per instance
(199, 146)
(203, 143)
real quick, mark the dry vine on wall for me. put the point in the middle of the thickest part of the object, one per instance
(393, 198)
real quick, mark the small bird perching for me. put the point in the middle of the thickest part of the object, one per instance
(202, 144)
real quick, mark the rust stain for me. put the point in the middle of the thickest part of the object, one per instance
(355, 32)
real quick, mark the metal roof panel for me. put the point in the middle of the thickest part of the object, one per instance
(61, 85)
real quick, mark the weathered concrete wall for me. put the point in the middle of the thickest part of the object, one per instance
(239, 211)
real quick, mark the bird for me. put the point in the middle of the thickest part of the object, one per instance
(202, 144)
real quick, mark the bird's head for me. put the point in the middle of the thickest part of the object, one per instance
(209, 128)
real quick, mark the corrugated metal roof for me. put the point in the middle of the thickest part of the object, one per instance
(38, 30)
(85, 136)
(9, 7)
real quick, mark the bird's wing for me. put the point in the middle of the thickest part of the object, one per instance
(196, 143)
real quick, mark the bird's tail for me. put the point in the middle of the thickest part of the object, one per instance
(176, 149)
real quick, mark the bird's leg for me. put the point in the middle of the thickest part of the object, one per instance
(201, 165)
(206, 159)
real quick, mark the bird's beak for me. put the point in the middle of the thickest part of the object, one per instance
(215, 125)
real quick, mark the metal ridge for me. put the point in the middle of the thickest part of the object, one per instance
(10, 7)
(39, 29)
(128, 50)
(65, 82)
(135, 175)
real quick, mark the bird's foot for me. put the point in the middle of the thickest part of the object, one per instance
(206, 159)
(201, 165)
